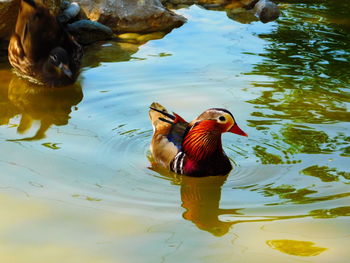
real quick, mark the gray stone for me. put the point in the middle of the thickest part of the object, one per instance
(70, 11)
(267, 11)
(87, 31)
(132, 15)
(239, 10)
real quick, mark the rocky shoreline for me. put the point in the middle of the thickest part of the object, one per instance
(129, 20)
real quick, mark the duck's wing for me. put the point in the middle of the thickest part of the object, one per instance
(17, 56)
(38, 30)
(168, 134)
(177, 133)
(19, 47)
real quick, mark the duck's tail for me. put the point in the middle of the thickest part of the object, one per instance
(160, 117)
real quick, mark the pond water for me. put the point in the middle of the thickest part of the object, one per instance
(76, 183)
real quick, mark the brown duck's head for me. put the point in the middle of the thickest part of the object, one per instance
(59, 62)
(220, 120)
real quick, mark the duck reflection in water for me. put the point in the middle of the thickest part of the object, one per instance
(200, 197)
(51, 106)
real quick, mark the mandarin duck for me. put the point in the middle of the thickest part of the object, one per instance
(193, 148)
(41, 49)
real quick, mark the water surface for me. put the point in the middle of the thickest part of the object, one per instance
(76, 182)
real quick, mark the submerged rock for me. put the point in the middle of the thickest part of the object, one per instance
(87, 31)
(132, 15)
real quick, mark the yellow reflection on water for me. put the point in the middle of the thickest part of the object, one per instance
(48, 106)
(35, 231)
(296, 247)
(48, 253)
(201, 199)
(20, 234)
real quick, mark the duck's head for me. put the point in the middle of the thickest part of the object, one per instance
(59, 61)
(203, 137)
(219, 120)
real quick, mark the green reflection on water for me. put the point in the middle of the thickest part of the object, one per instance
(325, 173)
(307, 92)
(331, 213)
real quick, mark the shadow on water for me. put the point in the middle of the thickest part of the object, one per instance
(49, 106)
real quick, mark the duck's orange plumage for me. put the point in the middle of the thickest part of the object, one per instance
(193, 148)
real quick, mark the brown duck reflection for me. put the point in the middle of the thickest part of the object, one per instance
(201, 199)
(50, 106)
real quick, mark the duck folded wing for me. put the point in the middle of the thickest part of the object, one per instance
(169, 130)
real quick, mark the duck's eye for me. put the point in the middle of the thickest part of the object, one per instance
(222, 118)
(54, 58)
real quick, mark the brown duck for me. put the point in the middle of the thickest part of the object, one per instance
(41, 49)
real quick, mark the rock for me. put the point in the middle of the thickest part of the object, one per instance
(238, 10)
(232, 4)
(87, 31)
(9, 11)
(53, 5)
(267, 11)
(132, 15)
(70, 11)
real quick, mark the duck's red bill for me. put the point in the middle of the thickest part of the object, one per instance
(235, 129)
